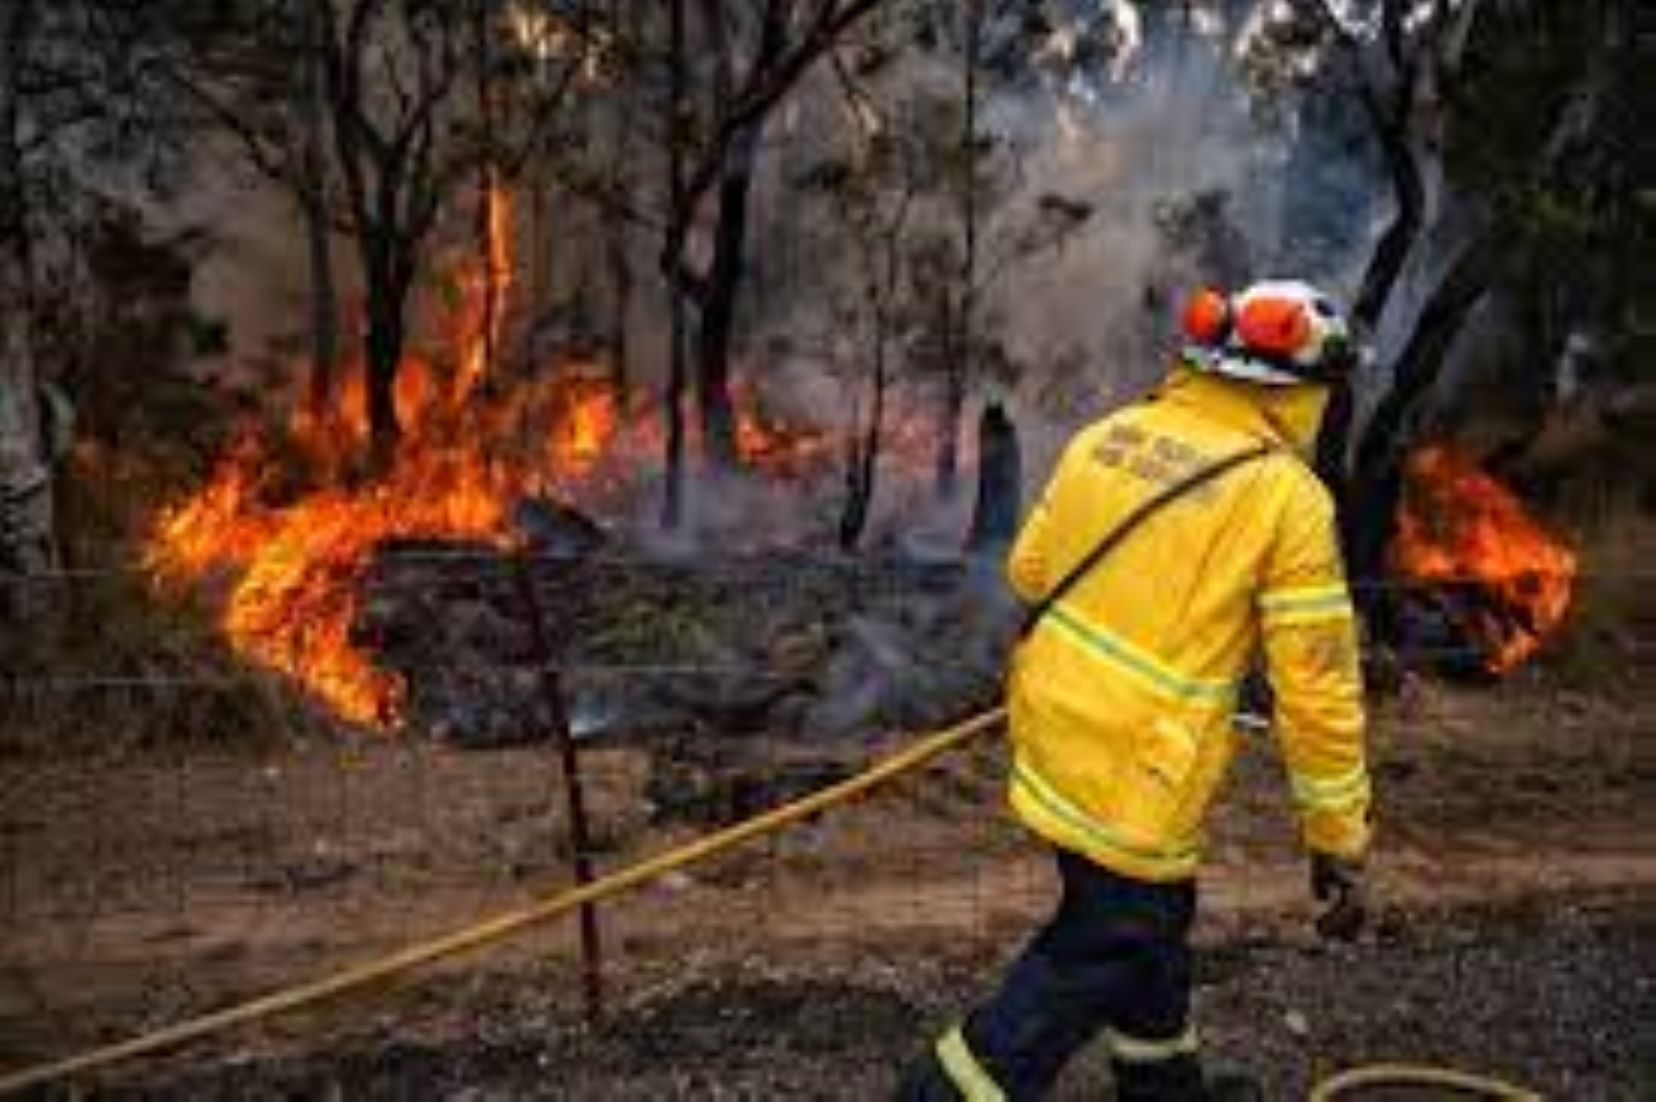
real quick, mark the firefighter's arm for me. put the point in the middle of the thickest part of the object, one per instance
(1029, 563)
(1311, 649)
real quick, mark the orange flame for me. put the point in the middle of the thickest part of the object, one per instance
(1459, 527)
(764, 442)
(292, 518)
(485, 286)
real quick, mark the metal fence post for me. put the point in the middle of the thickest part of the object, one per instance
(551, 689)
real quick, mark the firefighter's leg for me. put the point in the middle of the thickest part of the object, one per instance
(949, 1071)
(1080, 972)
(1153, 1047)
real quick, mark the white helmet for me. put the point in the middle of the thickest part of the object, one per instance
(1278, 333)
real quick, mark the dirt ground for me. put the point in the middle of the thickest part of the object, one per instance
(1542, 996)
(1516, 875)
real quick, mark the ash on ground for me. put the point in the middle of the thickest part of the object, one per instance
(808, 648)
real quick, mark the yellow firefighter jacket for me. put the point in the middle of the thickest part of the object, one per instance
(1122, 697)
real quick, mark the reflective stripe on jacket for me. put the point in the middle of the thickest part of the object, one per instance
(1121, 698)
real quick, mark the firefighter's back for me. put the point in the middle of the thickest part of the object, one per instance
(1122, 696)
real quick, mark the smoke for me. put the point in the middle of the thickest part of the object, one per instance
(254, 280)
(1128, 165)
(1187, 182)
(1131, 159)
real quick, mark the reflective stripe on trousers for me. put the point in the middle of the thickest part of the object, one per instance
(1128, 1049)
(969, 1077)
(974, 1083)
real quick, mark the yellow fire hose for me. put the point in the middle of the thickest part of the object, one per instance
(508, 923)
(1418, 1075)
(541, 911)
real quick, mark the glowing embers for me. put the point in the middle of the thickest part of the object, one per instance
(1504, 580)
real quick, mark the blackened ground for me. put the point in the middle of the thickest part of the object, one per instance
(1559, 998)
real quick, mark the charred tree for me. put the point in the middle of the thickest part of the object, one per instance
(1377, 478)
(312, 192)
(787, 47)
(672, 508)
(379, 80)
(488, 182)
(1391, 110)
(27, 545)
(394, 171)
(717, 300)
(882, 255)
(958, 367)
(617, 227)
(717, 290)
(1390, 116)
(1557, 167)
(1000, 482)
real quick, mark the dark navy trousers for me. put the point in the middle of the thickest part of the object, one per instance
(1115, 957)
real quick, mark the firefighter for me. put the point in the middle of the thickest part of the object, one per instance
(1219, 544)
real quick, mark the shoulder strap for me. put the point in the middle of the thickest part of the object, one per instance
(1138, 516)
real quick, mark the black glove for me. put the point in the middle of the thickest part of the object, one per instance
(1338, 882)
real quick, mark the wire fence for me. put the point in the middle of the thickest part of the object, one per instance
(181, 827)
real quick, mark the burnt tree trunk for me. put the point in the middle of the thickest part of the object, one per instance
(27, 545)
(621, 291)
(722, 284)
(542, 261)
(617, 237)
(1391, 251)
(1376, 486)
(1000, 482)
(883, 257)
(313, 204)
(488, 173)
(672, 506)
(718, 303)
(388, 279)
(395, 177)
(958, 368)
(863, 460)
(727, 167)
(1391, 117)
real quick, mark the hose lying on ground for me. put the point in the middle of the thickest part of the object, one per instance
(1418, 1075)
(504, 925)
(541, 911)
